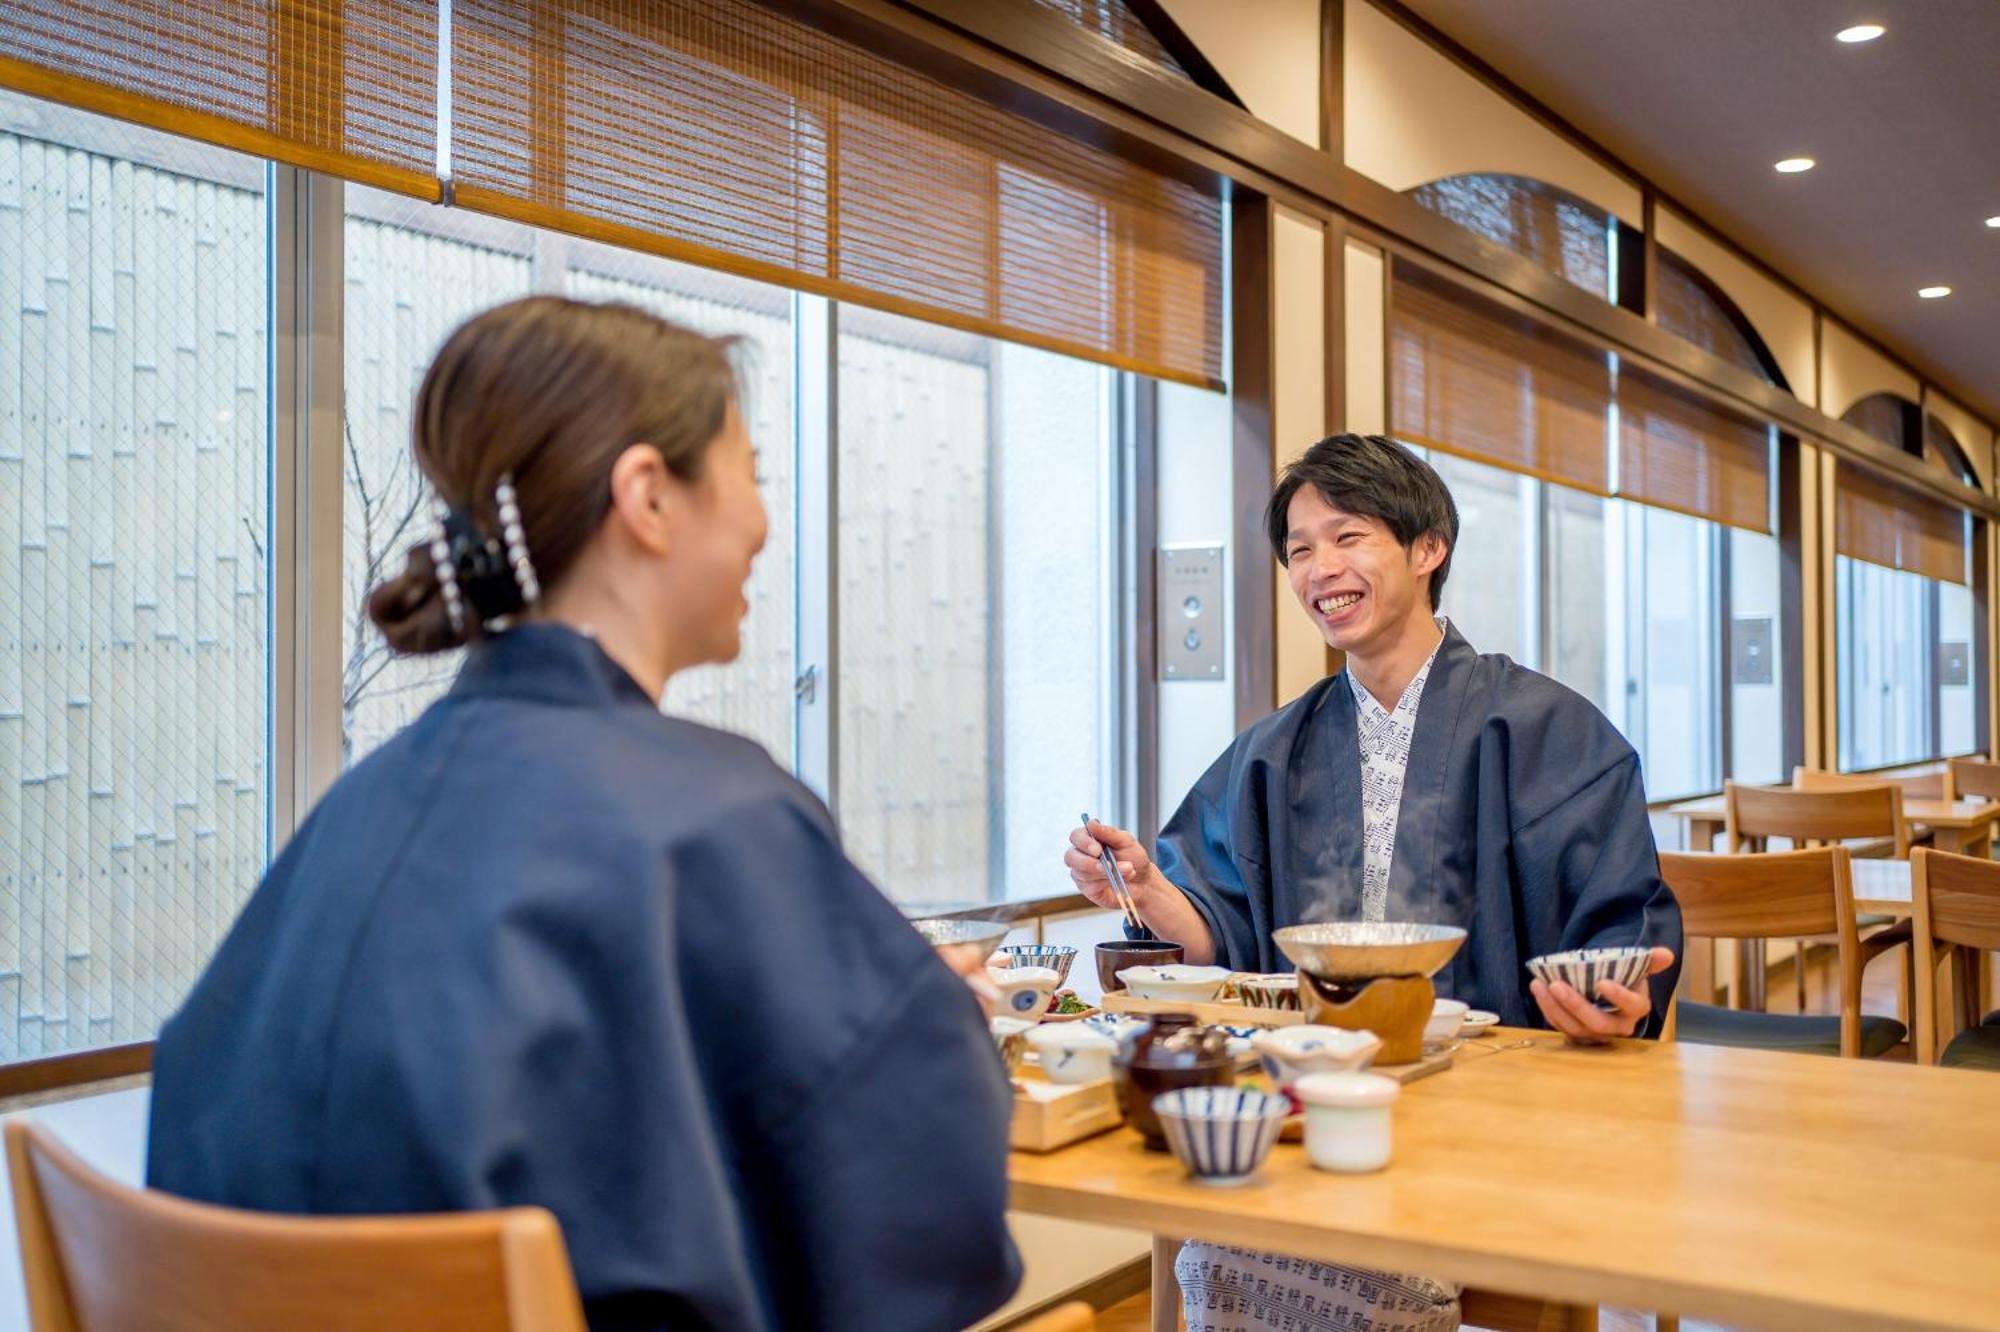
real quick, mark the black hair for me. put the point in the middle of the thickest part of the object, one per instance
(1374, 477)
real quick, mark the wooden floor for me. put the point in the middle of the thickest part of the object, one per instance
(1879, 985)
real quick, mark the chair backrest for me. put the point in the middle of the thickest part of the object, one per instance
(1774, 895)
(1956, 900)
(1755, 814)
(1073, 1317)
(1972, 777)
(1927, 784)
(98, 1256)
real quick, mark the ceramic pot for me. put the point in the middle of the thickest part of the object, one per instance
(1170, 1052)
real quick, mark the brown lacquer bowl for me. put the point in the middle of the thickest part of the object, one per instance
(1119, 954)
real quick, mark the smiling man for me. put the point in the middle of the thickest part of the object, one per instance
(1425, 782)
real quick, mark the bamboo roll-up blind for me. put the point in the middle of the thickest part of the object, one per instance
(1473, 378)
(343, 86)
(1677, 451)
(721, 132)
(1896, 527)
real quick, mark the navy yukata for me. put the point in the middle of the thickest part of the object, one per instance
(1523, 820)
(549, 946)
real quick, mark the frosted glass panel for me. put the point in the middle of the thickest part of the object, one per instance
(975, 616)
(1884, 711)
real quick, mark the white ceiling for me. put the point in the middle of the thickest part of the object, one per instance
(1702, 96)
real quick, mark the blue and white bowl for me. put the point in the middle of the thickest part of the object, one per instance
(1221, 1134)
(1583, 968)
(1058, 958)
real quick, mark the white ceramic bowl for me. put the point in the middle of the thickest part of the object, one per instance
(1447, 1016)
(1291, 1053)
(1072, 1052)
(1024, 991)
(1221, 1134)
(1193, 985)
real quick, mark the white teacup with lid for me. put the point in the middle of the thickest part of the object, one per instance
(1072, 1052)
(1347, 1119)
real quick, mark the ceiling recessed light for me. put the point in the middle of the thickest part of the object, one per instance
(1932, 293)
(1993, 222)
(1860, 32)
(1791, 166)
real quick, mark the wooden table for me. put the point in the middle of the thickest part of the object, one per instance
(1962, 826)
(1771, 1190)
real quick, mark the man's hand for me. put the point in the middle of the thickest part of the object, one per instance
(1163, 908)
(1087, 872)
(1579, 1019)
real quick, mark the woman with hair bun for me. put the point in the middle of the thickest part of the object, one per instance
(550, 946)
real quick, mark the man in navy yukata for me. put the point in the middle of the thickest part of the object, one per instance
(1424, 782)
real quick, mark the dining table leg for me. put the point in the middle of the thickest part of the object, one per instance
(1166, 1286)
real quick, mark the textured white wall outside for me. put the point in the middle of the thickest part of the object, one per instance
(1365, 297)
(1850, 370)
(134, 486)
(1268, 51)
(1412, 116)
(913, 533)
(1783, 320)
(1049, 478)
(1298, 418)
(1197, 718)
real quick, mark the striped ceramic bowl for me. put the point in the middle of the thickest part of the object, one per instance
(1583, 968)
(1275, 991)
(1221, 1134)
(1058, 958)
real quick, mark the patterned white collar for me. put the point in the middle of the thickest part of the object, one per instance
(1383, 740)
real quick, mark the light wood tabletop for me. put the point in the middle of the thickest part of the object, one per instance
(1777, 1191)
(1959, 825)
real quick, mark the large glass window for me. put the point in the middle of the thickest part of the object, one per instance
(413, 274)
(1886, 648)
(977, 608)
(1625, 603)
(135, 584)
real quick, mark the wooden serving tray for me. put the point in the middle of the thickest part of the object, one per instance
(1227, 1012)
(1048, 1115)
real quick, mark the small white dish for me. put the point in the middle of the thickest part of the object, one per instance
(1177, 982)
(1072, 1052)
(1447, 1016)
(1291, 1053)
(1025, 992)
(1478, 1022)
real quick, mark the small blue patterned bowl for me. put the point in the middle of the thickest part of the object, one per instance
(1221, 1134)
(1058, 958)
(1583, 968)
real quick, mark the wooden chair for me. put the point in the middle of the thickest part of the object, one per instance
(1781, 894)
(1076, 1317)
(1864, 817)
(1957, 900)
(1971, 777)
(100, 1257)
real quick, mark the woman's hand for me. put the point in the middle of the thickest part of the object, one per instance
(968, 961)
